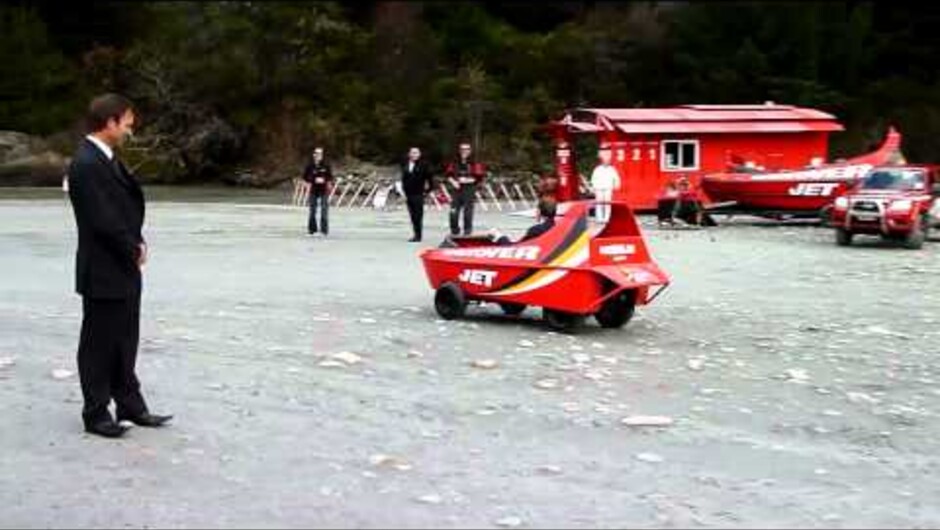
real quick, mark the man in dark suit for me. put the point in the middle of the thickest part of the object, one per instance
(109, 212)
(416, 181)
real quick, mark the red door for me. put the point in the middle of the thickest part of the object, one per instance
(648, 189)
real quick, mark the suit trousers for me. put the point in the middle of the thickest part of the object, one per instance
(107, 357)
(416, 212)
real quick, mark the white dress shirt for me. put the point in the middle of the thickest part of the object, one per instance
(101, 145)
(605, 177)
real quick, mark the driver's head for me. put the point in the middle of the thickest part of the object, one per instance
(547, 208)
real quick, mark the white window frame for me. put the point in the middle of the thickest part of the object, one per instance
(664, 160)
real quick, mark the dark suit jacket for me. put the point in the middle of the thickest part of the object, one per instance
(109, 213)
(539, 229)
(419, 181)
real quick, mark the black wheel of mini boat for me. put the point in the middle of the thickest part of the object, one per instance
(561, 320)
(825, 215)
(512, 309)
(449, 301)
(843, 237)
(617, 310)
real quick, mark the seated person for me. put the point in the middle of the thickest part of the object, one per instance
(547, 212)
(667, 204)
(690, 207)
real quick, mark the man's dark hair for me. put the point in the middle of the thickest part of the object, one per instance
(104, 108)
(547, 208)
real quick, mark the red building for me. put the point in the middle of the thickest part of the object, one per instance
(652, 146)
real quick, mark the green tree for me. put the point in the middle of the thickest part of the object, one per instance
(40, 92)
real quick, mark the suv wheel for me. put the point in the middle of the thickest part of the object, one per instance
(843, 237)
(915, 239)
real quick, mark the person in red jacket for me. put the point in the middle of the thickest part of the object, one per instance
(319, 174)
(464, 176)
(667, 204)
(690, 207)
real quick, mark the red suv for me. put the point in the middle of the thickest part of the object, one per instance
(895, 202)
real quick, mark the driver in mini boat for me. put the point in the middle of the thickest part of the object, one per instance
(547, 211)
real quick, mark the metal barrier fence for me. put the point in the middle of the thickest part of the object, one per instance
(369, 192)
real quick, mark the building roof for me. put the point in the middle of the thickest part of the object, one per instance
(767, 118)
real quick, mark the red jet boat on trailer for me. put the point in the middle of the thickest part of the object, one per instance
(759, 159)
(574, 270)
(807, 192)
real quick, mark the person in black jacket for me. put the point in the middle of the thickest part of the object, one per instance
(417, 182)
(109, 213)
(547, 209)
(319, 175)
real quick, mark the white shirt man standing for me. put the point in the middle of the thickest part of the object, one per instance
(604, 180)
(109, 208)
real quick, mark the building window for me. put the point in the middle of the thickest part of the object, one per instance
(680, 155)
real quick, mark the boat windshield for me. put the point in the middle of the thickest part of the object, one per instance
(894, 179)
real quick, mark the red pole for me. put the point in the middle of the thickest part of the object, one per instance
(568, 189)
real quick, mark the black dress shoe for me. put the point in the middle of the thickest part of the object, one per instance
(415, 240)
(147, 419)
(106, 428)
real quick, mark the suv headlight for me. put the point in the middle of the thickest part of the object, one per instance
(900, 206)
(842, 203)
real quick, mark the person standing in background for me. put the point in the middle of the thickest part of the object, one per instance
(604, 180)
(319, 175)
(464, 175)
(417, 182)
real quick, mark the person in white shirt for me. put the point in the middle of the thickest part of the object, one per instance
(604, 180)
(109, 207)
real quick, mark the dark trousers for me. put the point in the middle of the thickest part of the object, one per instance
(107, 356)
(321, 200)
(464, 199)
(666, 210)
(416, 212)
